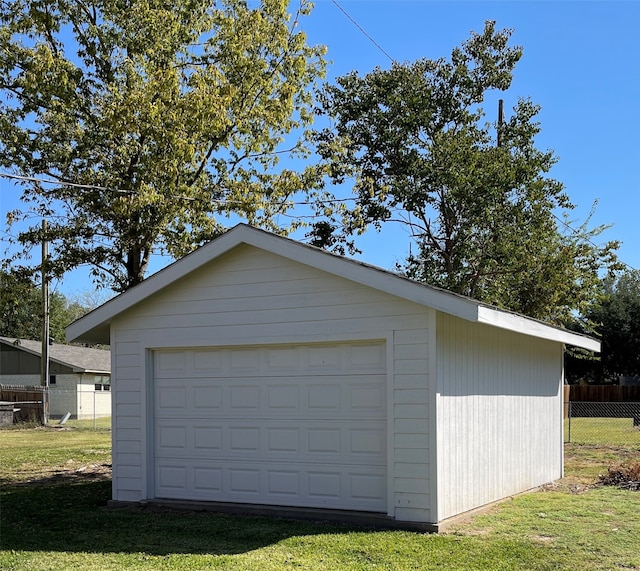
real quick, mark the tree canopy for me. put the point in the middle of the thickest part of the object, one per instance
(21, 308)
(157, 120)
(484, 213)
(616, 319)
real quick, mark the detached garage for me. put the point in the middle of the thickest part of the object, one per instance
(262, 373)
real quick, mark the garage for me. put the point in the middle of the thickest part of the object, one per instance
(298, 425)
(260, 371)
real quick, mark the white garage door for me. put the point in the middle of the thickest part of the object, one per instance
(301, 425)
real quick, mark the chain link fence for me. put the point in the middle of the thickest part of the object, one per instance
(85, 405)
(90, 406)
(610, 423)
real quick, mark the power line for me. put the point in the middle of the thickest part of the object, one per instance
(363, 31)
(581, 236)
(577, 233)
(62, 182)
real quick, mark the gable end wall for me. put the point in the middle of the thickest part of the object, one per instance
(249, 296)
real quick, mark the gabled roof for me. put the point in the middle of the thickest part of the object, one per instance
(94, 327)
(80, 359)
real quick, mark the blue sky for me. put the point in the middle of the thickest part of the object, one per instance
(581, 64)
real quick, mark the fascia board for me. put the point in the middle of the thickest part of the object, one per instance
(534, 328)
(95, 325)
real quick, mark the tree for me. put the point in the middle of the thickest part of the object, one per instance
(616, 319)
(21, 308)
(157, 120)
(481, 209)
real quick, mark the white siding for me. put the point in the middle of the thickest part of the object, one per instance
(251, 297)
(93, 403)
(128, 421)
(64, 396)
(411, 425)
(499, 414)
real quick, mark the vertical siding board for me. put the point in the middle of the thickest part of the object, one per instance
(500, 389)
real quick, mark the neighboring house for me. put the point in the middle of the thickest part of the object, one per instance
(267, 374)
(79, 377)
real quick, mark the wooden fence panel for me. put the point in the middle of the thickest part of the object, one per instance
(27, 399)
(604, 393)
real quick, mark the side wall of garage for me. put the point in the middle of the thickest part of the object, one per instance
(250, 298)
(499, 409)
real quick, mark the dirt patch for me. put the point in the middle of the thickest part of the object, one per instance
(567, 485)
(544, 539)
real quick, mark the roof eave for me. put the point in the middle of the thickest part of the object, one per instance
(534, 328)
(95, 326)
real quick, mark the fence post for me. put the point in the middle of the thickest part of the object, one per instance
(569, 435)
(94, 410)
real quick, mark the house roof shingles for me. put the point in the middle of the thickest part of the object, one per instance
(81, 359)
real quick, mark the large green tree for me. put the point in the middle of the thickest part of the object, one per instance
(21, 308)
(616, 319)
(158, 120)
(476, 196)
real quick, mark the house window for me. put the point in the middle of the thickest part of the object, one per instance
(102, 382)
(52, 379)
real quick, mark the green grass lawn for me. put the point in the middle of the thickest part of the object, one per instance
(53, 517)
(610, 431)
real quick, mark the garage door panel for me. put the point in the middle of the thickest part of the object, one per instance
(297, 425)
(354, 396)
(207, 480)
(361, 443)
(268, 361)
(295, 484)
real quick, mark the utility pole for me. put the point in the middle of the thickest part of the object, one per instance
(44, 360)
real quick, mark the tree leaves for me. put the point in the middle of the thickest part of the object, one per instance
(483, 216)
(616, 318)
(21, 308)
(179, 110)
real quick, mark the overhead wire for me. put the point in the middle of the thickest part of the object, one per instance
(296, 203)
(63, 182)
(392, 59)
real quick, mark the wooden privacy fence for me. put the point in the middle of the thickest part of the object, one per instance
(604, 393)
(27, 399)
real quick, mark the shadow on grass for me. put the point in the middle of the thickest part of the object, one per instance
(72, 517)
(84, 474)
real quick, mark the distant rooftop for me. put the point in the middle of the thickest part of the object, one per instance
(81, 359)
